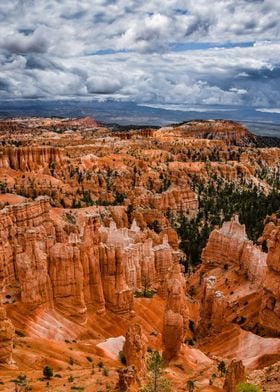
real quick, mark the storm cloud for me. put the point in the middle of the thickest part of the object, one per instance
(180, 51)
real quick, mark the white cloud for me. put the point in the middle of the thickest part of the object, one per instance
(48, 48)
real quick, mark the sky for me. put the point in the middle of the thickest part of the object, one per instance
(191, 52)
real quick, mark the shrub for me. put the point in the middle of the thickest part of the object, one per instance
(246, 387)
(20, 333)
(71, 361)
(190, 385)
(190, 342)
(122, 357)
(100, 364)
(144, 294)
(48, 372)
(222, 368)
(105, 372)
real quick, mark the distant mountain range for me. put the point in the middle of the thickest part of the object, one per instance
(264, 122)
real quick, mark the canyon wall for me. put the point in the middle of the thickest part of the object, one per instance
(33, 158)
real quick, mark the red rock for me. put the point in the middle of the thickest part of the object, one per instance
(269, 320)
(135, 349)
(32, 158)
(175, 322)
(234, 375)
(127, 378)
(7, 333)
(212, 309)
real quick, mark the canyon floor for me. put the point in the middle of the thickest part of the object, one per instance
(118, 244)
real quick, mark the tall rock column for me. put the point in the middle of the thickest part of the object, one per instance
(66, 273)
(176, 314)
(234, 375)
(135, 348)
(89, 249)
(32, 271)
(7, 333)
(212, 309)
(118, 296)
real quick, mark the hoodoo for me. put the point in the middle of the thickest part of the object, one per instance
(139, 255)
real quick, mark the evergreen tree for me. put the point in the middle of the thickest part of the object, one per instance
(156, 383)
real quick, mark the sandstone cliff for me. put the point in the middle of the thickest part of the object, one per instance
(34, 158)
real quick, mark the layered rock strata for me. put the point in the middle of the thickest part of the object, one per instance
(73, 267)
(33, 158)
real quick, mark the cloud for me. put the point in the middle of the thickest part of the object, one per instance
(19, 43)
(102, 85)
(142, 51)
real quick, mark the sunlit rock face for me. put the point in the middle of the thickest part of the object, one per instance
(74, 267)
(176, 316)
(135, 349)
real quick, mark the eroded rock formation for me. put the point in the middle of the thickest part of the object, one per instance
(7, 333)
(135, 349)
(229, 247)
(127, 378)
(34, 158)
(234, 375)
(212, 309)
(175, 322)
(270, 312)
(69, 266)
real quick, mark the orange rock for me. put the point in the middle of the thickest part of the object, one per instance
(135, 349)
(175, 322)
(212, 309)
(7, 333)
(127, 379)
(234, 375)
(31, 158)
(269, 320)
